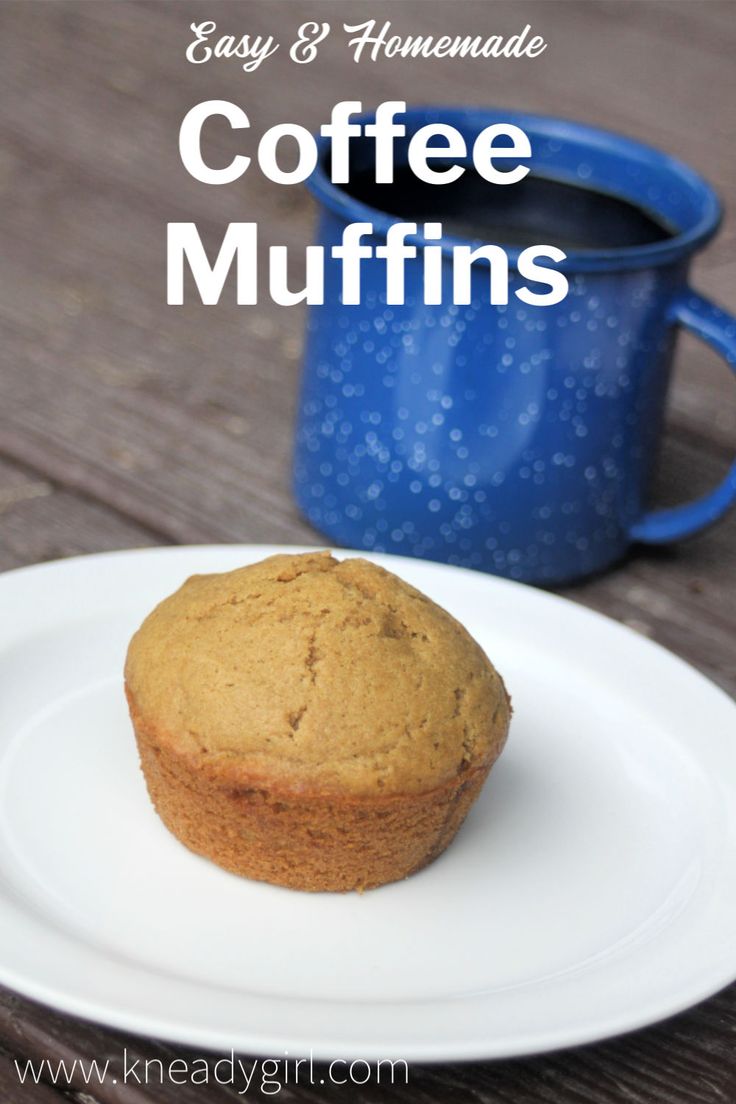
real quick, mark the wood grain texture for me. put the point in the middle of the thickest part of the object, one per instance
(40, 520)
(125, 423)
(10, 1091)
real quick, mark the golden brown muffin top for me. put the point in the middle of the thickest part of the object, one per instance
(317, 675)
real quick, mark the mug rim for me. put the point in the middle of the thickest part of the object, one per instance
(677, 246)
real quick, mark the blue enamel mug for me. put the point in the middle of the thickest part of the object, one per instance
(514, 439)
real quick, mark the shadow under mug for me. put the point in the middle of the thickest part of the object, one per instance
(514, 439)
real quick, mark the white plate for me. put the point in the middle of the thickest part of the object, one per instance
(591, 890)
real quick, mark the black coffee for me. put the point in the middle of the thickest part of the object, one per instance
(534, 211)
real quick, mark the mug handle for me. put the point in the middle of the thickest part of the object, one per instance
(718, 329)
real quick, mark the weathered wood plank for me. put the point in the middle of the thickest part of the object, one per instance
(11, 1091)
(39, 521)
(40, 1034)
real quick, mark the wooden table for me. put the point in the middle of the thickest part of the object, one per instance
(124, 422)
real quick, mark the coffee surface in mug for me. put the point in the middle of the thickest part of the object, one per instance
(534, 210)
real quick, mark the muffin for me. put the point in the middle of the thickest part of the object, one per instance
(312, 722)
